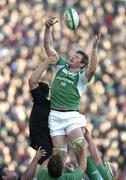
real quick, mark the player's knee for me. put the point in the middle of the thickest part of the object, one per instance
(62, 150)
(76, 142)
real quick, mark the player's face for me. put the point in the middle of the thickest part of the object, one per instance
(75, 61)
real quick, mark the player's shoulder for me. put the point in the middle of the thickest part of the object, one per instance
(62, 61)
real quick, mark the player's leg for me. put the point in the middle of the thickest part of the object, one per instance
(77, 140)
(57, 131)
(76, 137)
(75, 123)
(60, 144)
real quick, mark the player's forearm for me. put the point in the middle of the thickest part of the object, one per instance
(94, 151)
(92, 64)
(93, 61)
(48, 41)
(36, 75)
(30, 171)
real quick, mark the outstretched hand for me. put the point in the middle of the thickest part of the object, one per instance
(40, 153)
(50, 22)
(96, 40)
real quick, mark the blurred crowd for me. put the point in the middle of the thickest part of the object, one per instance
(21, 50)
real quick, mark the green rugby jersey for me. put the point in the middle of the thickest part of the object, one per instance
(77, 174)
(67, 87)
(105, 172)
(100, 172)
(92, 171)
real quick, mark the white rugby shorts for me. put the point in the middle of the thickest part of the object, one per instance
(62, 123)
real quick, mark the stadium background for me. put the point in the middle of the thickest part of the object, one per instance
(21, 50)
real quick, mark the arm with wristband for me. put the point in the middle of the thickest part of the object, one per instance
(93, 60)
(48, 40)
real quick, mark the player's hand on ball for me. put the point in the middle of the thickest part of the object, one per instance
(96, 40)
(50, 22)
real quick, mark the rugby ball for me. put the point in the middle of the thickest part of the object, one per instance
(71, 18)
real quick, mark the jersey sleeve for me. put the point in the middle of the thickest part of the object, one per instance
(83, 76)
(104, 172)
(92, 170)
(76, 174)
(37, 95)
(82, 82)
(60, 64)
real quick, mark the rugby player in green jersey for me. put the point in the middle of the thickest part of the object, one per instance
(96, 169)
(69, 82)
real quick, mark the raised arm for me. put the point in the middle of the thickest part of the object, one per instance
(92, 148)
(48, 40)
(30, 171)
(93, 60)
(36, 75)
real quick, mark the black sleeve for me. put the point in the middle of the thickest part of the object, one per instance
(37, 95)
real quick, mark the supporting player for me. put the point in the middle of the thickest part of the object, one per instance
(56, 168)
(96, 169)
